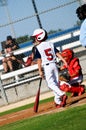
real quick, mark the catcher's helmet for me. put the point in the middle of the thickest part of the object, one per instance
(40, 34)
(68, 54)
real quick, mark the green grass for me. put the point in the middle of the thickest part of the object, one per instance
(24, 107)
(71, 119)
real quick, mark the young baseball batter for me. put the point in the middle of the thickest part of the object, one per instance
(46, 54)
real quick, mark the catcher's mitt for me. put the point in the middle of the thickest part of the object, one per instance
(64, 76)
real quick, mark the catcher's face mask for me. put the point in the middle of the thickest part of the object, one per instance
(67, 54)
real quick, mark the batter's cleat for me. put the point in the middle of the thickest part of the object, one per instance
(63, 100)
(58, 106)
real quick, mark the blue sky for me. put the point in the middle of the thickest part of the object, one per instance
(60, 18)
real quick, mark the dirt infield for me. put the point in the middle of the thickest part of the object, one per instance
(43, 109)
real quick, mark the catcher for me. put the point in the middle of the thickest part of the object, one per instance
(72, 73)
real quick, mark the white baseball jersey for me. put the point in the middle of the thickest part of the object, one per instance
(47, 52)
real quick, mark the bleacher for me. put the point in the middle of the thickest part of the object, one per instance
(66, 39)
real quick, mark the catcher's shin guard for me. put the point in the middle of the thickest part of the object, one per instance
(65, 87)
(75, 90)
(79, 90)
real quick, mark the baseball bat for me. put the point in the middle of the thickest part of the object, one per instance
(36, 104)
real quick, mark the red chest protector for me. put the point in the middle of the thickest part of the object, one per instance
(74, 68)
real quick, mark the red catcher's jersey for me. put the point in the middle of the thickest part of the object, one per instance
(74, 68)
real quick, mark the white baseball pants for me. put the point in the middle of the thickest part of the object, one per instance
(51, 75)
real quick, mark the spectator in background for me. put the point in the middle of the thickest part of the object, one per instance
(8, 61)
(11, 43)
(34, 54)
(81, 14)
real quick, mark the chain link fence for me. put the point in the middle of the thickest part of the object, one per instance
(21, 19)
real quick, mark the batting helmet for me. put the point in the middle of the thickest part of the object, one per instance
(40, 34)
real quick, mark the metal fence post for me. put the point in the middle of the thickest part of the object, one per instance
(60, 48)
(3, 93)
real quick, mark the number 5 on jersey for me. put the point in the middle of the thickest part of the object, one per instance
(49, 54)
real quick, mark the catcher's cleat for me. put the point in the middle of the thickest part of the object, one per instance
(82, 90)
